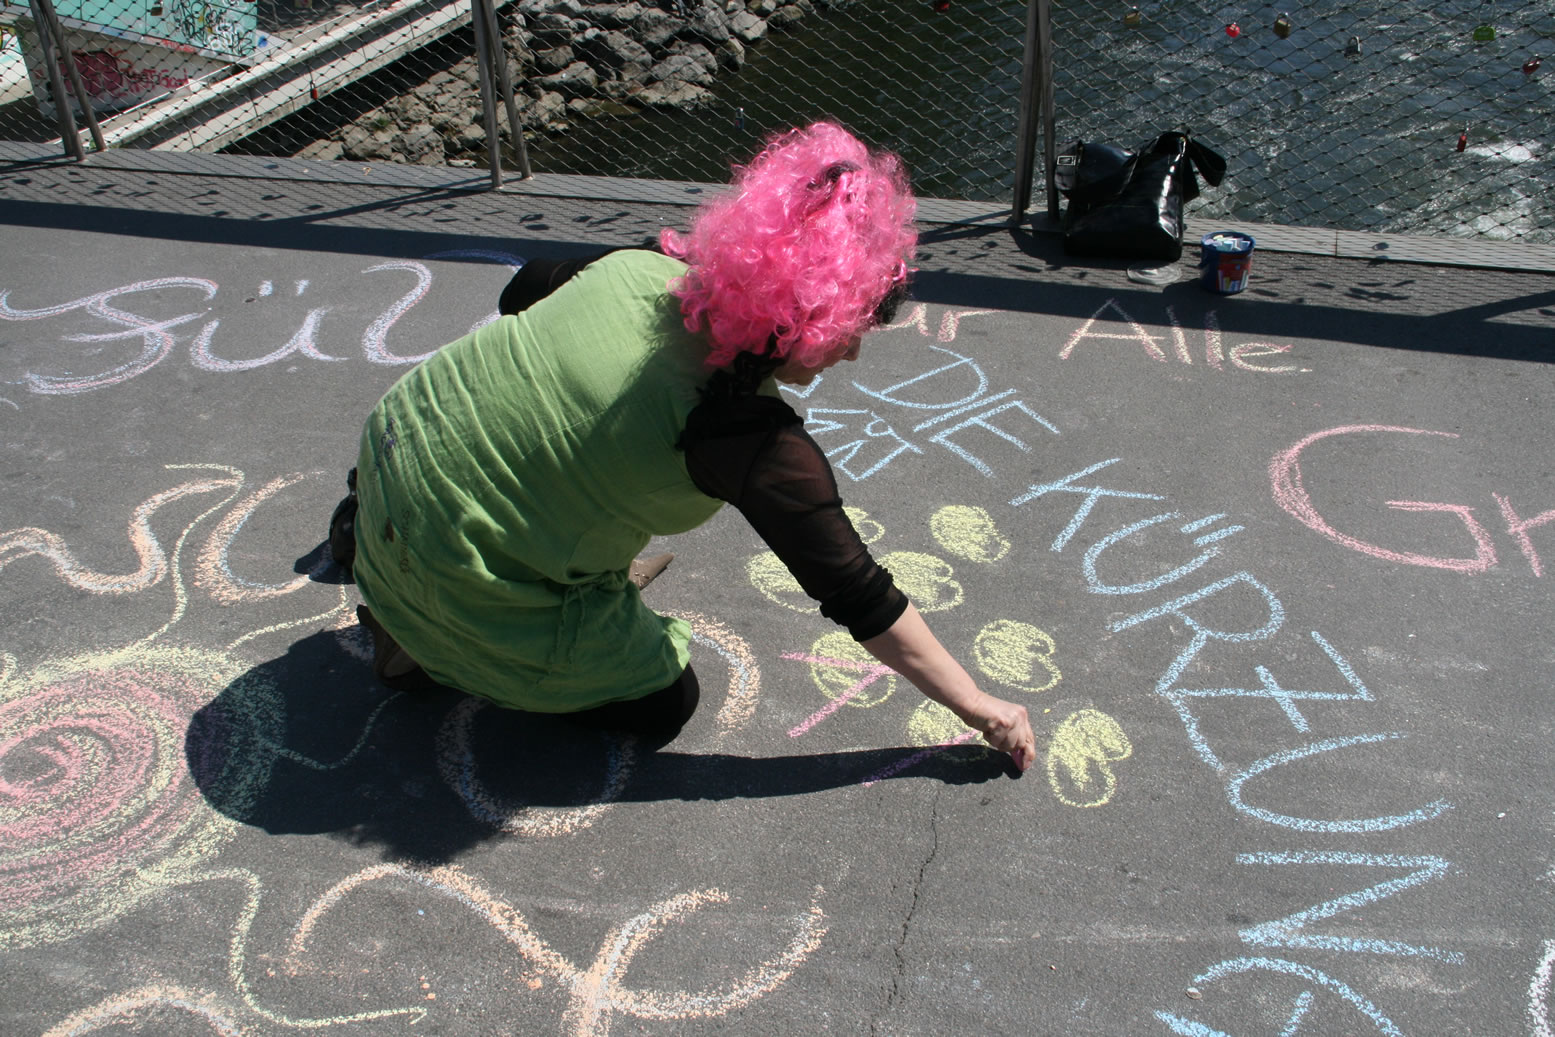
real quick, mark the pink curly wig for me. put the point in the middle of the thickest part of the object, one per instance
(817, 230)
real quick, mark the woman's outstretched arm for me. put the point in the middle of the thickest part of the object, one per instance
(910, 648)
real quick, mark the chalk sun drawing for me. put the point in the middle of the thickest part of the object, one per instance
(110, 760)
(595, 993)
(98, 808)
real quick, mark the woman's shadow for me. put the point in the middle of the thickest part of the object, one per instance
(310, 743)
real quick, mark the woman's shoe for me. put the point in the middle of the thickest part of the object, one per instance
(644, 570)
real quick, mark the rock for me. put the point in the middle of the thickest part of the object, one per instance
(657, 29)
(533, 9)
(554, 59)
(710, 23)
(731, 54)
(409, 110)
(325, 150)
(576, 80)
(517, 50)
(761, 8)
(471, 138)
(545, 110)
(360, 144)
(747, 26)
(697, 52)
(674, 94)
(613, 16)
(695, 64)
(555, 27)
(785, 16)
(615, 50)
(421, 145)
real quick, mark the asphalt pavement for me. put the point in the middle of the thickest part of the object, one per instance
(1272, 572)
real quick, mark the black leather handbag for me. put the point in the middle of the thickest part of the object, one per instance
(1128, 204)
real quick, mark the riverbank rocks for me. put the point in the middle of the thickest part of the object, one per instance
(571, 60)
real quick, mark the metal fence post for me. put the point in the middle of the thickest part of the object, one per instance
(1036, 111)
(62, 113)
(499, 57)
(488, 89)
(69, 62)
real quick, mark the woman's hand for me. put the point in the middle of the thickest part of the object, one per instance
(1006, 727)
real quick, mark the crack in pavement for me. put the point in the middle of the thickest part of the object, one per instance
(898, 950)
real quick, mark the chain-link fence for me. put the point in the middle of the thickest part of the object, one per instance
(1432, 119)
(1424, 117)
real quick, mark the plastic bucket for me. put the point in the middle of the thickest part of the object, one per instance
(1226, 261)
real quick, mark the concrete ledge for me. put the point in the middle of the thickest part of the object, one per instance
(1401, 248)
(1343, 244)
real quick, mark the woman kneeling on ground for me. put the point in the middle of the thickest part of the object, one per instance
(506, 484)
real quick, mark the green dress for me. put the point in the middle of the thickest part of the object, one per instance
(507, 482)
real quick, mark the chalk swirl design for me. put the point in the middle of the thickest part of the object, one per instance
(456, 760)
(97, 806)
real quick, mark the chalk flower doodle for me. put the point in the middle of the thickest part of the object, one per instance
(1082, 748)
(1080, 758)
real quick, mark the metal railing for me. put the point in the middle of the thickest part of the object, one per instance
(1434, 119)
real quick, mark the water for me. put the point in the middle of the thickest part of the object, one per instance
(1312, 136)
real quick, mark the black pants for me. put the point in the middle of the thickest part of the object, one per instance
(659, 715)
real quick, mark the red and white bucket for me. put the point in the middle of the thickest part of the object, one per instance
(1226, 261)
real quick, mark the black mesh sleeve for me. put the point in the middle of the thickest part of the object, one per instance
(768, 467)
(536, 279)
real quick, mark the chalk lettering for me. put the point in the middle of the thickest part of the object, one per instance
(1094, 551)
(302, 342)
(1136, 333)
(1285, 698)
(1539, 993)
(1291, 495)
(959, 365)
(373, 338)
(1291, 931)
(1239, 966)
(1092, 495)
(878, 434)
(1240, 353)
(1305, 824)
(918, 317)
(1518, 527)
(156, 339)
(981, 421)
